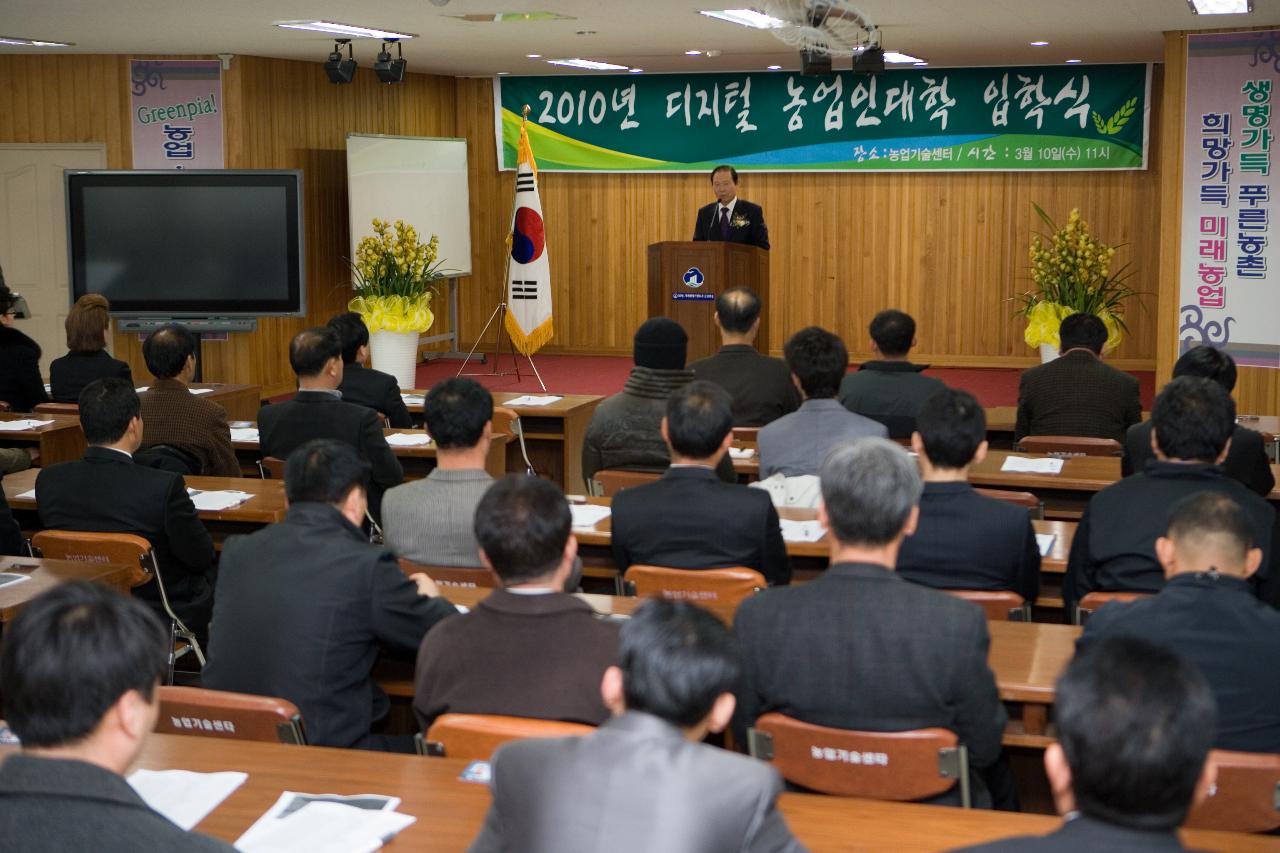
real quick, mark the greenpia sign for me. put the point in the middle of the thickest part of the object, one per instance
(1061, 117)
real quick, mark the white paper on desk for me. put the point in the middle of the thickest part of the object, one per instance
(408, 439)
(22, 423)
(742, 452)
(588, 515)
(413, 399)
(141, 388)
(533, 400)
(11, 578)
(291, 802)
(1032, 466)
(201, 390)
(28, 495)
(213, 501)
(325, 827)
(244, 433)
(182, 796)
(1045, 542)
(802, 531)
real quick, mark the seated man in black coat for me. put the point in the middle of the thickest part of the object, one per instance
(861, 648)
(1247, 457)
(691, 519)
(1208, 614)
(890, 389)
(1135, 723)
(364, 385)
(318, 411)
(964, 540)
(106, 492)
(79, 671)
(304, 605)
(1114, 546)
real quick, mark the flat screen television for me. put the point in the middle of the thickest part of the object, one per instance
(224, 243)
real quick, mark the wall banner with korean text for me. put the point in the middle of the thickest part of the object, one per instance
(177, 113)
(1228, 295)
(1077, 117)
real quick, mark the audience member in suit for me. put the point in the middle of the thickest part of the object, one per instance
(318, 411)
(106, 492)
(861, 648)
(20, 383)
(431, 521)
(690, 519)
(623, 432)
(964, 540)
(87, 358)
(1246, 460)
(760, 386)
(797, 443)
(1114, 546)
(1135, 722)
(529, 649)
(1076, 394)
(11, 542)
(729, 218)
(1208, 614)
(890, 389)
(15, 459)
(177, 418)
(364, 385)
(644, 781)
(79, 670)
(305, 605)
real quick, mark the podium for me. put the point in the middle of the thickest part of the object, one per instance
(685, 278)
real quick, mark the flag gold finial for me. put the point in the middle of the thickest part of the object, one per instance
(525, 112)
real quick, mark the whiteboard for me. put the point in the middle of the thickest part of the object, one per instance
(421, 180)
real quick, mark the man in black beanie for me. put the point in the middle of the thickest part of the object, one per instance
(624, 431)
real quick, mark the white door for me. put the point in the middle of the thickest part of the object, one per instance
(33, 234)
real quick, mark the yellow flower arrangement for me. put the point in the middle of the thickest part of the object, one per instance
(394, 275)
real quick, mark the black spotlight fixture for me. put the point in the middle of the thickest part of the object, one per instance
(815, 63)
(870, 61)
(341, 70)
(390, 70)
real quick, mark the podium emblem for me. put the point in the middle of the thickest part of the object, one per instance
(693, 277)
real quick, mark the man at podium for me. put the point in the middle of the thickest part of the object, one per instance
(730, 218)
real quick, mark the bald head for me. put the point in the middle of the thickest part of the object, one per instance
(316, 357)
(169, 351)
(738, 315)
(1208, 531)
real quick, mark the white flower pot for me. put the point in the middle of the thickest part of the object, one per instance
(1048, 352)
(396, 353)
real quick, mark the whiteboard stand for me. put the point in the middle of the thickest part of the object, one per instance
(452, 335)
(500, 314)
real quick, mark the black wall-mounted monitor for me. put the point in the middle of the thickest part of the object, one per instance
(216, 243)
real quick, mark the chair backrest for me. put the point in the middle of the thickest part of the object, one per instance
(123, 549)
(1091, 602)
(1026, 499)
(898, 766)
(718, 590)
(749, 435)
(231, 716)
(271, 468)
(1070, 445)
(452, 575)
(57, 408)
(476, 736)
(1246, 797)
(503, 418)
(1000, 605)
(614, 480)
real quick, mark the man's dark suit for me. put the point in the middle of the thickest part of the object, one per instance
(69, 374)
(1215, 622)
(890, 392)
(1246, 458)
(753, 231)
(967, 541)
(690, 519)
(1084, 833)
(303, 607)
(10, 534)
(106, 492)
(283, 427)
(377, 390)
(1114, 545)
(1077, 394)
(760, 386)
(861, 648)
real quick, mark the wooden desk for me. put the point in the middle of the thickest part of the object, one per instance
(60, 441)
(241, 402)
(47, 574)
(417, 460)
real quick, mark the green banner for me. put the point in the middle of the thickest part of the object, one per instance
(921, 119)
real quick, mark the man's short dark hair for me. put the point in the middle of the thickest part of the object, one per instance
(70, 655)
(699, 416)
(893, 331)
(869, 487)
(456, 411)
(819, 360)
(106, 408)
(738, 308)
(1193, 418)
(324, 471)
(522, 524)
(167, 349)
(311, 349)
(951, 424)
(676, 659)
(724, 167)
(1135, 722)
(352, 334)
(1209, 363)
(1082, 330)
(1205, 514)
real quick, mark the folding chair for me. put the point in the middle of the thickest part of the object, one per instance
(1091, 602)
(507, 421)
(452, 576)
(1246, 797)
(476, 736)
(897, 766)
(271, 468)
(1034, 505)
(610, 481)
(718, 590)
(229, 716)
(1069, 445)
(999, 605)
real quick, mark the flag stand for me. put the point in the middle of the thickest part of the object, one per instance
(500, 314)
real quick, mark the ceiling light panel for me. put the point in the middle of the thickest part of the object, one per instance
(346, 30)
(1221, 7)
(747, 18)
(588, 64)
(901, 58)
(24, 42)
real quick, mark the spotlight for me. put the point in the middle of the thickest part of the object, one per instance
(390, 70)
(341, 70)
(870, 61)
(815, 63)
